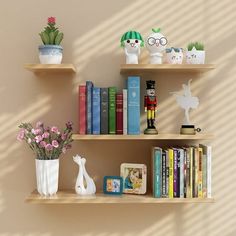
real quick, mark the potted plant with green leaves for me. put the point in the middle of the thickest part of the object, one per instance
(195, 53)
(47, 143)
(51, 50)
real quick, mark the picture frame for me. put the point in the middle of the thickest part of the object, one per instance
(113, 185)
(134, 178)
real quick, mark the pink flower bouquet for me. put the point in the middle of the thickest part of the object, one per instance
(47, 143)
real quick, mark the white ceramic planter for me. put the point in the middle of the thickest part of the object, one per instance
(195, 56)
(47, 172)
(50, 54)
(174, 56)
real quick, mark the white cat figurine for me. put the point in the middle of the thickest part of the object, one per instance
(84, 183)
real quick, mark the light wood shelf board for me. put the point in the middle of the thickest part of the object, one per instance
(143, 137)
(50, 67)
(140, 68)
(70, 197)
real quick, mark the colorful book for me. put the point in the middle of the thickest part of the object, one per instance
(188, 173)
(167, 173)
(191, 164)
(181, 173)
(175, 179)
(82, 109)
(200, 194)
(196, 161)
(171, 172)
(124, 111)
(89, 86)
(157, 165)
(133, 105)
(204, 175)
(163, 174)
(178, 173)
(112, 110)
(185, 172)
(119, 113)
(96, 110)
(104, 111)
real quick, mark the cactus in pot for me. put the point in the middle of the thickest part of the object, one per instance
(51, 51)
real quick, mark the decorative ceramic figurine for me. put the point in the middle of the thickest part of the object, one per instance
(187, 102)
(195, 53)
(150, 105)
(156, 44)
(131, 41)
(84, 184)
(174, 55)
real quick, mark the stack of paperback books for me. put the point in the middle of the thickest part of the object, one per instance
(182, 172)
(106, 111)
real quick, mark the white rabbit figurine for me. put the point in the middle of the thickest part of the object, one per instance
(84, 183)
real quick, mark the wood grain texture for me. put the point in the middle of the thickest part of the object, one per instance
(50, 67)
(70, 197)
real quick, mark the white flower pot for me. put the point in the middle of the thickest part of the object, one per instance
(47, 172)
(174, 56)
(195, 56)
(50, 54)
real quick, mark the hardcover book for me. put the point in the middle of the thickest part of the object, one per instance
(171, 172)
(82, 109)
(175, 180)
(163, 174)
(89, 86)
(133, 105)
(96, 110)
(112, 110)
(181, 175)
(157, 165)
(200, 194)
(104, 111)
(119, 113)
(124, 111)
(167, 173)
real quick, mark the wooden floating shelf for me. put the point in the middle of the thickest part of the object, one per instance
(50, 67)
(143, 137)
(70, 197)
(140, 68)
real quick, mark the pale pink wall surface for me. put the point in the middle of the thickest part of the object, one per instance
(92, 32)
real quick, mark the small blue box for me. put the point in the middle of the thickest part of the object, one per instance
(113, 185)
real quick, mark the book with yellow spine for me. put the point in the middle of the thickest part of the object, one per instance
(171, 172)
(200, 165)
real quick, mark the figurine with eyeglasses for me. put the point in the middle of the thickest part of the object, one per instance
(156, 44)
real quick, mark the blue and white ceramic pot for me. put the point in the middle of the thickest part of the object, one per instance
(50, 54)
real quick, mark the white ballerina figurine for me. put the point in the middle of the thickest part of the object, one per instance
(84, 183)
(186, 101)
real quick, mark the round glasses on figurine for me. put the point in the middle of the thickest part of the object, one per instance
(162, 41)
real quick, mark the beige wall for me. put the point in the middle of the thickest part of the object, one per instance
(92, 31)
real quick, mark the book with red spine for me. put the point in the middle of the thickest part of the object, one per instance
(82, 109)
(119, 113)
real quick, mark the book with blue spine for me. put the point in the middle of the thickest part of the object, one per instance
(96, 110)
(133, 122)
(157, 166)
(89, 86)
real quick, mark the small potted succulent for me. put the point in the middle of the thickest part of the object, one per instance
(195, 53)
(174, 55)
(47, 143)
(51, 51)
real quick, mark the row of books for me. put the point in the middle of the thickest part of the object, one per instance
(107, 111)
(182, 172)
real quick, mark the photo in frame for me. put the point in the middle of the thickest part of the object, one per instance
(134, 178)
(113, 185)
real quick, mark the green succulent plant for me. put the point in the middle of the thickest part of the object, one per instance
(197, 45)
(51, 34)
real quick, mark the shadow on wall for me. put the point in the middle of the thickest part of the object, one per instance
(97, 56)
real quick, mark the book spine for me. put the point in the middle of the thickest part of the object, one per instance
(96, 110)
(181, 176)
(185, 172)
(175, 172)
(82, 109)
(124, 111)
(89, 86)
(157, 172)
(133, 105)
(209, 171)
(104, 110)
(196, 161)
(204, 176)
(188, 174)
(163, 177)
(119, 113)
(178, 173)
(191, 171)
(171, 172)
(112, 110)
(200, 165)
(167, 173)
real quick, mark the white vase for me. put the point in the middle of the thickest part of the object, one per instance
(47, 172)
(195, 56)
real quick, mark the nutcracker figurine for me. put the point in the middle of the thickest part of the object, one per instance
(150, 105)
